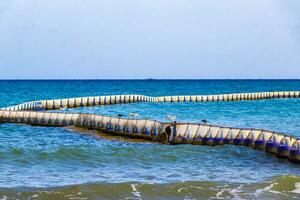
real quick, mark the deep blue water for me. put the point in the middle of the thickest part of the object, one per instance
(50, 157)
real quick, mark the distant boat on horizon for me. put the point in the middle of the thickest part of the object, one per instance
(150, 79)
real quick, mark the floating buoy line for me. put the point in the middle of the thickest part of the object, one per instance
(36, 113)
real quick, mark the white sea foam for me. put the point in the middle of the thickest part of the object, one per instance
(135, 192)
(297, 188)
(268, 188)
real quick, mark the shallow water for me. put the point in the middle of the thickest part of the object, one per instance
(43, 162)
(277, 188)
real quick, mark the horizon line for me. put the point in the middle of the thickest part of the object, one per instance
(142, 79)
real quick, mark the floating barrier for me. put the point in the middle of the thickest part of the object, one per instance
(134, 98)
(174, 133)
(280, 145)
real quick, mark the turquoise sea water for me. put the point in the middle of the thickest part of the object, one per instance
(47, 163)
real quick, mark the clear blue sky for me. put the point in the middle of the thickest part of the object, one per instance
(149, 38)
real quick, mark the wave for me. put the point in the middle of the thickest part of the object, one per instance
(282, 187)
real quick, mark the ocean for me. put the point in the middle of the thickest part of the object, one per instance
(68, 163)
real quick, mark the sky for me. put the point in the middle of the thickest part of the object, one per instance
(137, 39)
